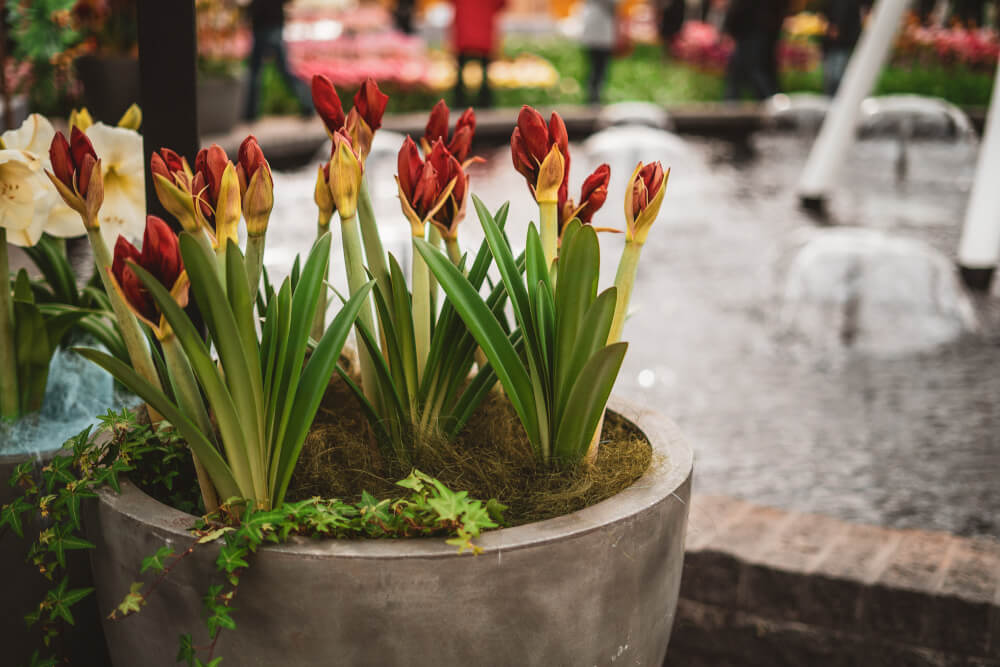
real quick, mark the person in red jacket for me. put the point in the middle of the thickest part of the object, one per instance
(475, 39)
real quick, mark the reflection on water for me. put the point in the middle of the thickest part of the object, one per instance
(905, 442)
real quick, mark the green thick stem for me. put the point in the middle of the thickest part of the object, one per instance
(355, 279)
(374, 252)
(548, 212)
(189, 397)
(454, 252)
(421, 309)
(255, 263)
(135, 340)
(319, 321)
(624, 281)
(434, 238)
(9, 396)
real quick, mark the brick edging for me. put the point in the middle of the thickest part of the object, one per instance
(901, 591)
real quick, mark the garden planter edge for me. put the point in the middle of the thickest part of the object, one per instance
(589, 588)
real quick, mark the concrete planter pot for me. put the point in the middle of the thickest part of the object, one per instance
(220, 102)
(595, 587)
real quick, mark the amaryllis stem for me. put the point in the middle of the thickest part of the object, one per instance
(9, 396)
(255, 262)
(186, 390)
(548, 211)
(319, 320)
(434, 238)
(454, 252)
(374, 252)
(356, 278)
(624, 281)
(421, 309)
(135, 340)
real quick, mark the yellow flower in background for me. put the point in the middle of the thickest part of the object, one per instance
(52, 214)
(124, 209)
(20, 187)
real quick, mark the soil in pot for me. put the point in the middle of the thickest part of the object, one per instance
(490, 459)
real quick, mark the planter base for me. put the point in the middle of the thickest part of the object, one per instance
(595, 587)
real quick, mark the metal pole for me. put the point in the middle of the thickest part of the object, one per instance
(837, 133)
(979, 248)
(167, 67)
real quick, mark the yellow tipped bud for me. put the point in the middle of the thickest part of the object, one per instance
(550, 176)
(345, 179)
(80, 118)
(228, 208)
(132, 118)
(643, 197)
(258, 202)
(323, 198)
(178, 203)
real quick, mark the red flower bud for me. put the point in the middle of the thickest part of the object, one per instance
(646, 186)
(437, 124)
(210, 163)
(251, 158)
(370, 103)
(80, 147)
(160, 256)
(532, 141)
(593, 194)
(424, 185)
(327, 103)
(62, 160)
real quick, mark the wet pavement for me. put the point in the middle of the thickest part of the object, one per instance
(903, 442)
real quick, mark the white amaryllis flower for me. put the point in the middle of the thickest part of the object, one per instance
(20, 190)
(124, 209)
(52, 215)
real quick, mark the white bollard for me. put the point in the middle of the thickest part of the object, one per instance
(979, 248)
(837, 133)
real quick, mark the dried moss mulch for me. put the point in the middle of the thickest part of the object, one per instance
(490, 459)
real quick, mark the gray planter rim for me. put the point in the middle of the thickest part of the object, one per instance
(670, 468)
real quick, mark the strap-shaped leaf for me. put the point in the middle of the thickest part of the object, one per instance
(312, 387)
(579, 263)
(205, 369)
(32, 354)
(52, 263)
(211, 298)
(402, 318)
(593, 336)
(586, 403)
(487, 331)
(220, 473)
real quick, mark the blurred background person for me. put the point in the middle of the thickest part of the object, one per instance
(267, 20)
(755, 26)
(600, 33)
(842, 32)
(475, 29)
(402, 16)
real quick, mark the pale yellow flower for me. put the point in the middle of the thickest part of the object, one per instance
(124, 209)
(20, 186)
(54, 216)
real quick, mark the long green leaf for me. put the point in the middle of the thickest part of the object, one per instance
(315, 380)
(593, 336)
(220, 473)
(488, 333)
(580, 258)
(205, 369)
(586, 403)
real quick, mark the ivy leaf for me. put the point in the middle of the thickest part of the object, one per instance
(10, 515)
(213, 535)
(133, 601)
(156, 561)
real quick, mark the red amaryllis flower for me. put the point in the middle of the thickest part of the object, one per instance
(76, 173)
(327, 103)
(370, 103)
(643, 199)
(449, 170)
(593, 194)
(366, 117)
(175, 188)
(421, 191)
(531, 143)
(437, 128)
(209, 165)
(161, 257)
(256, 186)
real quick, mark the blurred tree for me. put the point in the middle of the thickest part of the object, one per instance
(43, 35)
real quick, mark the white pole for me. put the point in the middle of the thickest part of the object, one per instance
(979, 249)
(837, 133)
